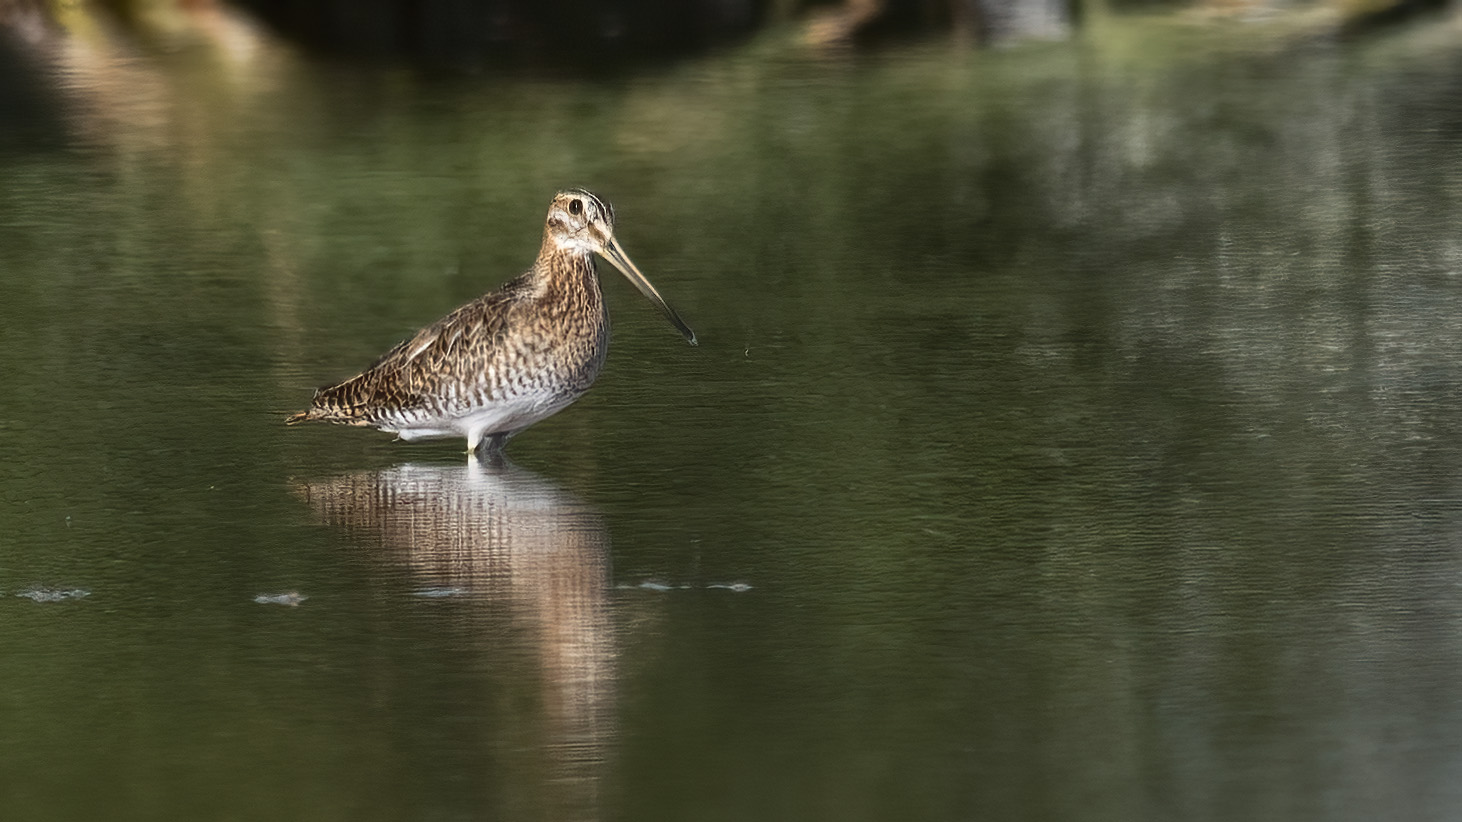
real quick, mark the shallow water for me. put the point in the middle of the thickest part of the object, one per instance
(1072, 436)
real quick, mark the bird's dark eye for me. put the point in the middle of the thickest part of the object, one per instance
(576, 207)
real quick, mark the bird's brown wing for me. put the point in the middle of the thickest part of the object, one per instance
(416, 373)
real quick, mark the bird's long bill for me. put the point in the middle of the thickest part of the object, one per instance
(614, 254)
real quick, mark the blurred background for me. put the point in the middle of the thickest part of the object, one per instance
(1072, 435)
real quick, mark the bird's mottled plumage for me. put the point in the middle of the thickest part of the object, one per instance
(509, 358)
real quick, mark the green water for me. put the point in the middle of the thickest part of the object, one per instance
(1073, 435)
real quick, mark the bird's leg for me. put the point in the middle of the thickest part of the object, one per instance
(490, 448)
(487, 445)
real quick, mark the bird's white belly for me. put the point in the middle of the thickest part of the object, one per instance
(499, 417)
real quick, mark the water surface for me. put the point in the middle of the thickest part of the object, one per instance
(1072, 436)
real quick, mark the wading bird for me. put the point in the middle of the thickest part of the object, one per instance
(507, 359)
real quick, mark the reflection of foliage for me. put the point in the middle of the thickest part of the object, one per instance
(586, 36)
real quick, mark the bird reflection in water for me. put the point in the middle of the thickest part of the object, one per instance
(533, 561)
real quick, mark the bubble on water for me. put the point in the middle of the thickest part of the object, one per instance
(658, 585)
(290, 598)
(439, 593)
(44, 594)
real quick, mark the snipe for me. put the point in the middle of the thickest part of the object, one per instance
(507, 359)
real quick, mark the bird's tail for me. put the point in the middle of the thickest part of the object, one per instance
(338, 403)
(317, 410)
(303, 416)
